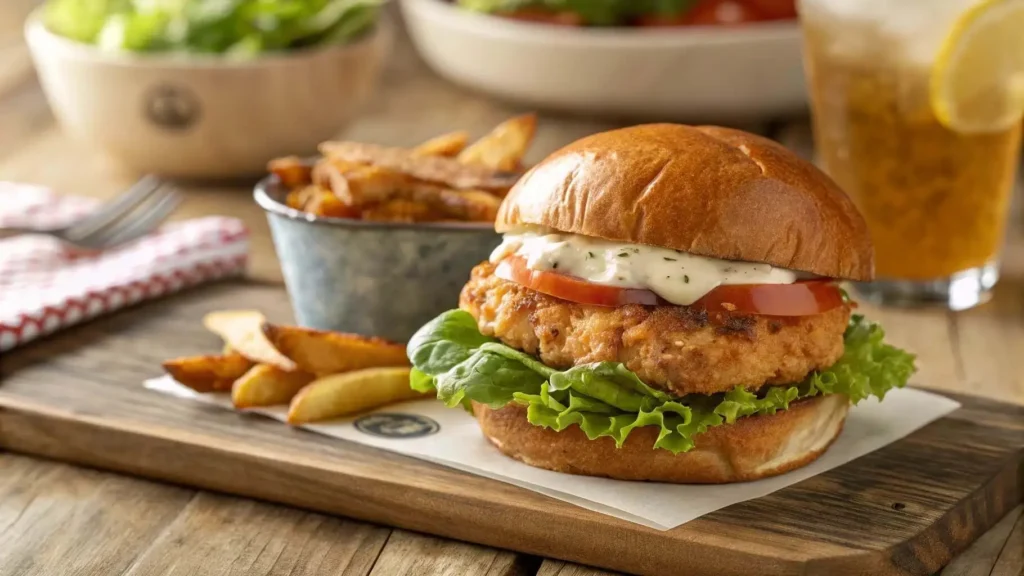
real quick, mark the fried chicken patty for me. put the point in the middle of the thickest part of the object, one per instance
(679, 349)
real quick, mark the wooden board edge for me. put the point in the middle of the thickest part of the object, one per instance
(80, 439)
(963, 524)
(65, 436)
(931, 549)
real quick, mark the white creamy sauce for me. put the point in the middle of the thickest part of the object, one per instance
(678, 277)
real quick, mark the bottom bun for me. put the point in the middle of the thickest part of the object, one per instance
(750, 448)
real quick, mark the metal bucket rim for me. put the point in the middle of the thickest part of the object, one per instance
(269, 190)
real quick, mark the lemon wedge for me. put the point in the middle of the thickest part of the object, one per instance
(977, 80)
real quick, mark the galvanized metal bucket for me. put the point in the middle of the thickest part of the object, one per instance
(374, 278)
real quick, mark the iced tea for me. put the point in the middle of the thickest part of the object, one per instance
(935, 200)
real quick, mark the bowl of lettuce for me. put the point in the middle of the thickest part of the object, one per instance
(594, 64)
(206, 88)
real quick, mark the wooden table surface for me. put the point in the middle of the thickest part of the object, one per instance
(60, 519)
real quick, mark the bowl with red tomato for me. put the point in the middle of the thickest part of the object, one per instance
(696, 60)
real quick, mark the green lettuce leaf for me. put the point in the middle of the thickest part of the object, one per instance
(236, 28)
(453, 358)
(487, 378)
(593, 12)
(444, 342)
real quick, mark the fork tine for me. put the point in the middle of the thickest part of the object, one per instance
(139, 223)
(114, 209)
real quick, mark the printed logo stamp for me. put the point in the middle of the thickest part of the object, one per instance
(171, 107)
(396, 425)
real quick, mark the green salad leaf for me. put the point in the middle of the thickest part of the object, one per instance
(593, 12)
(240, 28)
(451, 356)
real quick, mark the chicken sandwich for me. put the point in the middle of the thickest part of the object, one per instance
(664, 306)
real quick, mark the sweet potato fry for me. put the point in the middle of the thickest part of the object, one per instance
(359, 185)
(505, 146)
(436, 169)
(320, 202)
(266, 385)
(442, 203)
(350, 393)
(242, 330)
(369, 184)
(471, 205)
(325, 203)
(326, 171)
(321, 352)
(208, 373)
(291, 170)
(298, 198)
(329, 175)
(402, 210)
(442, 179)
(449, 145)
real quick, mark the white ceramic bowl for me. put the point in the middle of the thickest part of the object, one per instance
(705, 73)
(204, 116)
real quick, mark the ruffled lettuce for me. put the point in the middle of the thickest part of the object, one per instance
(591, 12)
(235, 28)
(451, 356)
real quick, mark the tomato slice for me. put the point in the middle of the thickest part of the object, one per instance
(539, 15)
(571, 288)
(803, 298)
(706, 13)
(774, 9)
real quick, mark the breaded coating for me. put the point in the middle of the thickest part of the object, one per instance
(679, 349)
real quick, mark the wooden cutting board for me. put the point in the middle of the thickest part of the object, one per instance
(905, 509)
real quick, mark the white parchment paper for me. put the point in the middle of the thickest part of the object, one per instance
(459, 444)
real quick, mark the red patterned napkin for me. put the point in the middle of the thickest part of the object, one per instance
(44, 286)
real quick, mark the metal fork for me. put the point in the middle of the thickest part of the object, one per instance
(131, 215)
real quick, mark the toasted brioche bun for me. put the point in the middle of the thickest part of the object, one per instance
(704, 190)
(750, 448)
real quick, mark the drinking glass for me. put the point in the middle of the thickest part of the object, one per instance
(935, 201)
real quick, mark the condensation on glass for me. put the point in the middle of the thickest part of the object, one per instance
(935, 201)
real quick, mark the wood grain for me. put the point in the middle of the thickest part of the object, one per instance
(410, 553)
(981, 558)
(250, 538)
(994, 553)
(906, 509)
(58, 519)
(559, 568)
(1011, 557)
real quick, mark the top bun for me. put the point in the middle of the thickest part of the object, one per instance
(704, 190)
